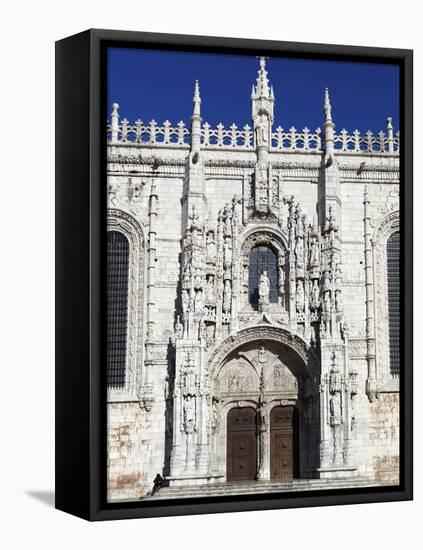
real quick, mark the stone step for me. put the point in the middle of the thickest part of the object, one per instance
(259, 487)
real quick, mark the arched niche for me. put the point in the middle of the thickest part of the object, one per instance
(273, 240)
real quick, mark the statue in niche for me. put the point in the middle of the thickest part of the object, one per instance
(185, 300)
(227, 216)
(281, 275)
(326, 281)
(227, 294)
(198, 301)
(335, 409)
(315, 302)
(315, 254)
(262, 428)
(195, 218)
(197, 280)
(237, 211)
(179, 329)
(262, 131)
(227, 253)
(264, 290)
(345, 329)
(215, 413)
(299, 252)
(209, 293)
(300, 296)
(326, 303)
(189, 414)
(211, 245)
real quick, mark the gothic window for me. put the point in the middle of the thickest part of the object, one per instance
(393, 278)
(117, 307)
(262, 258)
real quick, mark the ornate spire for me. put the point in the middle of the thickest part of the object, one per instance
(262, 104)
(262, 86)
(196, 119)
(328, 128)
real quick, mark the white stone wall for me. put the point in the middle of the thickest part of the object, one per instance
(136, 437)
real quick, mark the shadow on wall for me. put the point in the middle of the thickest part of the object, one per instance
(46, 497)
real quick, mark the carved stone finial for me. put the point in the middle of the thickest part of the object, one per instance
(115, 123)
(196, 100)
(327, 108)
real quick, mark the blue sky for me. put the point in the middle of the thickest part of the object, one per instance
(157, 84)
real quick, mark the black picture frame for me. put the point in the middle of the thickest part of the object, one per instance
(80, 221)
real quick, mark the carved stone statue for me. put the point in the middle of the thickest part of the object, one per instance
(209, 292)
(185, 301)
(335, 409)
(315, 302)
(227, 294)
(211, 245)
(300, 296)
(179, 328)
(264, 290)
(237, 211)
(189, 414)
(227, 254)
(262, 131)
(315, 254)
(281, 276)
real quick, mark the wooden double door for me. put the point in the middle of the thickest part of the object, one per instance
(242, 443)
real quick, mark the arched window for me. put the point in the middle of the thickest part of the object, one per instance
(262, 258)
(117, 307)
(393, 279)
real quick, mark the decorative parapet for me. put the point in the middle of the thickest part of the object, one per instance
(153, 134)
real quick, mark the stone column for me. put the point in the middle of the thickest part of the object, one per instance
(370, 323)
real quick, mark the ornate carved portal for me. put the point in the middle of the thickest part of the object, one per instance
(265, 408)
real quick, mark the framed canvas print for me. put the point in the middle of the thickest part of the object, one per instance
(234, 274)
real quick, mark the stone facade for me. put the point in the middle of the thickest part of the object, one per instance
(193, 204)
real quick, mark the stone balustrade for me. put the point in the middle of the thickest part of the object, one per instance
(153, 134)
